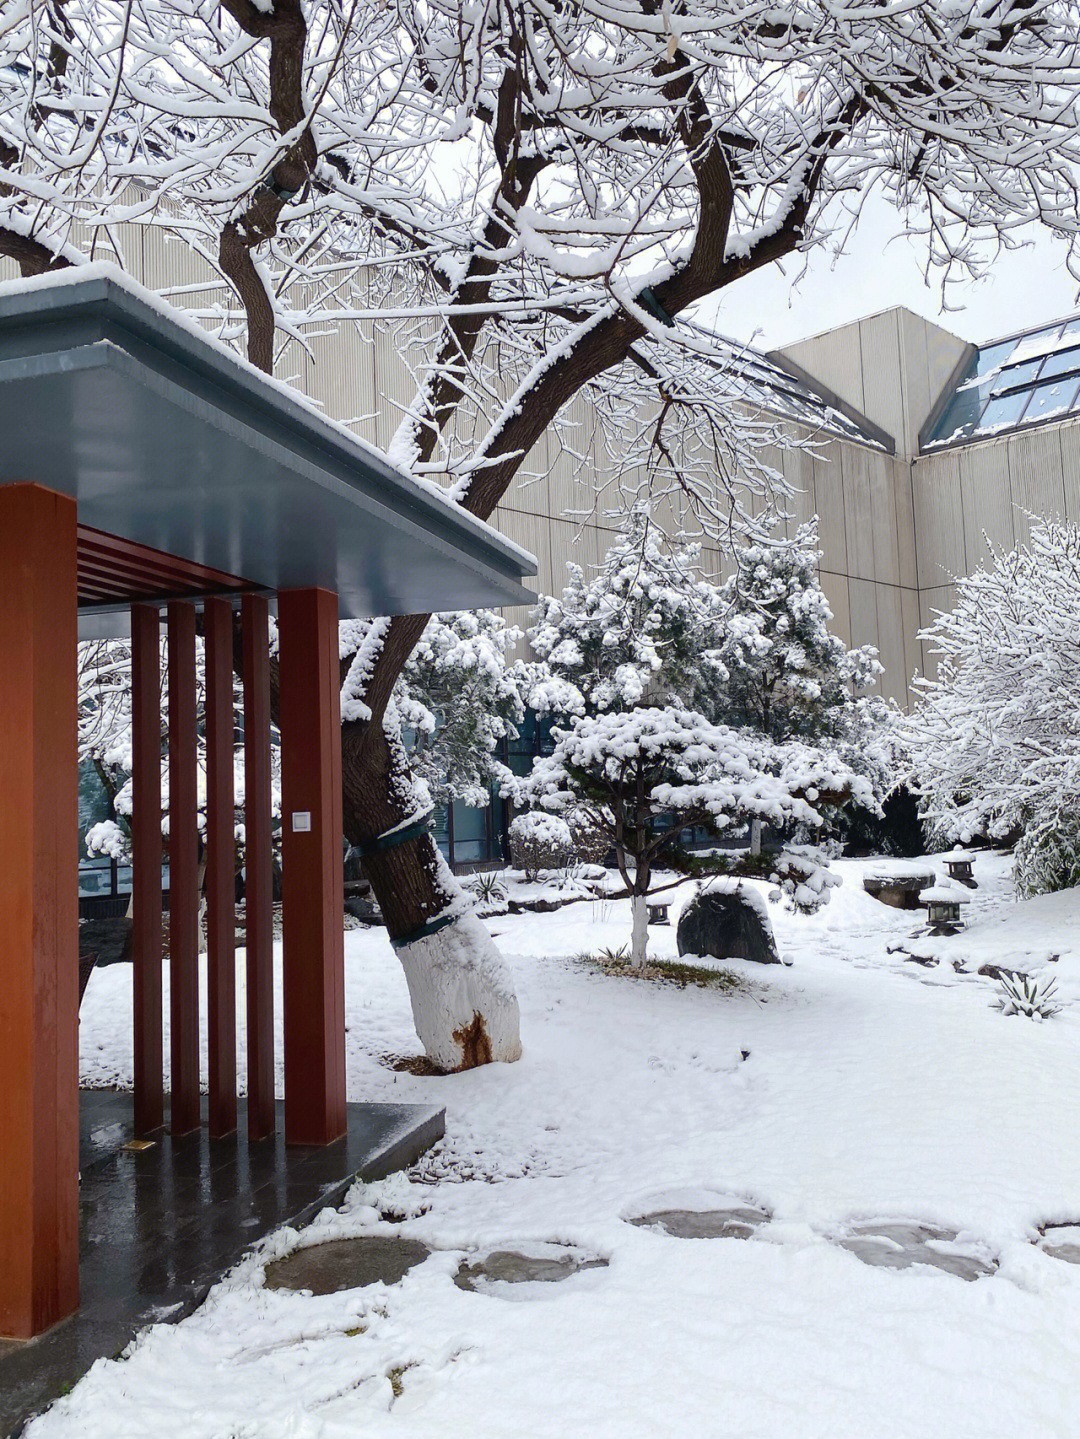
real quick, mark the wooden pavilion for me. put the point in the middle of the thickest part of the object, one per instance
(145, 474)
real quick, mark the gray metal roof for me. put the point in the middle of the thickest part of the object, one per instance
(167, 439)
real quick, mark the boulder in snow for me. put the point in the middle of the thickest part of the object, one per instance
(107, 940)
(727, 920)
(899, 888)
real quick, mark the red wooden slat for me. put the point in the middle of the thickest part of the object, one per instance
(311, 865)
(183, 871)
(220, 867)
(103, 572)
(146, 866)
(196, 576)
(39, 917)
(258, 859)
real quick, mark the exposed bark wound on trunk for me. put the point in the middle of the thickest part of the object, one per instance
(475, 1044)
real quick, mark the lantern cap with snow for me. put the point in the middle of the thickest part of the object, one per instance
(943, 903)
(958, 862)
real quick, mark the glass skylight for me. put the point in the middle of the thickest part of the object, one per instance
(1021, 381)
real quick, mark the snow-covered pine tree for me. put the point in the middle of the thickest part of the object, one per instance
(653, 669)
(785, 672)
(641, 630)
(459, 696)
(644, 776)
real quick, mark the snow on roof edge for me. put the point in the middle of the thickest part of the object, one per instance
(91, 271)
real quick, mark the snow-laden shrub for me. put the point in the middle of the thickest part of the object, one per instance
(1047, 857)
(108, 839)
(1027, 995)
(540, 841)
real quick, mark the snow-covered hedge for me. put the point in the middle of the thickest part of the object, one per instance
(540, 841)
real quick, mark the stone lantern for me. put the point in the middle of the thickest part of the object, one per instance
(958, 862)
(943, 903)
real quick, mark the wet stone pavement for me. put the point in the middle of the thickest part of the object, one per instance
(159, 1225)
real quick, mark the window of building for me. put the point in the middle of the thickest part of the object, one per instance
(1031, 377)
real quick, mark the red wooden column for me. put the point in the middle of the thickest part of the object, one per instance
(39, 912)
(258, 865)
(183, 872)
(220, 868)
(312, 870)
(146, 852)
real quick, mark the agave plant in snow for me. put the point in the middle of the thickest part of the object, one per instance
(1028, 995)
(646, 777)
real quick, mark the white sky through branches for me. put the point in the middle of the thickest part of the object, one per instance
(881, 266)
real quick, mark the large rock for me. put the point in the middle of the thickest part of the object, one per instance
(899, 888)
(727, 921)
(107, 941)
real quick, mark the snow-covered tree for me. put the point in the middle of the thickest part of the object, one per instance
(785, 672)
(105, 742)
(643, 777)
(541, 195)
(755, 653)
(104, 711)
(641, 630)
(994, 738)
(459, 696)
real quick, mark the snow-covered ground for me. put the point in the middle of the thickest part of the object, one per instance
(875, 1088)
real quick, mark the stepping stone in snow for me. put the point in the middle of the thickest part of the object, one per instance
(901, 1246)
(738, 1221)
(346, 1264)
(1062, 1241)
(548, 1265)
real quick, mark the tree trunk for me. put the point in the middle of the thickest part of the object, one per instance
(639, 944)
(463, 1001)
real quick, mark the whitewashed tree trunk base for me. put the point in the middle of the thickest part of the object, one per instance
(463, 1001)
(639, 943)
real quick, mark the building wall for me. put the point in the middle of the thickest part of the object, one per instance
(891, 367)
(980, 495)
(895, 528)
